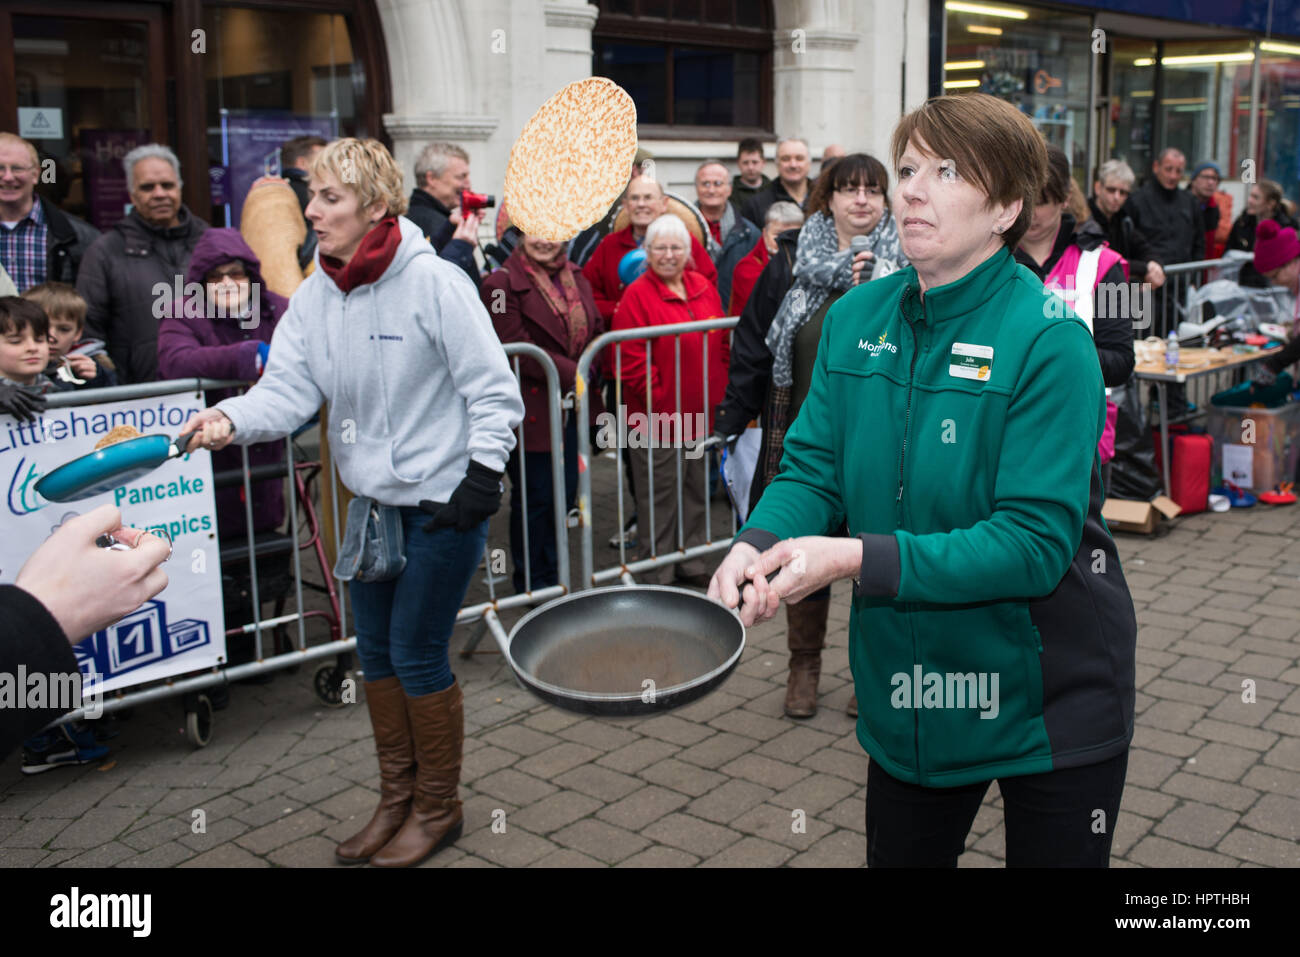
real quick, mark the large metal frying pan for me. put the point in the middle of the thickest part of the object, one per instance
(595, 651)
(110, 467)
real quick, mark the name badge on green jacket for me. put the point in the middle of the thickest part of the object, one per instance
(970, 362)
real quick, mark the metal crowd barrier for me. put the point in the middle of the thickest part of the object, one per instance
(603, 358)
(588, 362)
(1172, 305)
(329, 678)
(198, 707)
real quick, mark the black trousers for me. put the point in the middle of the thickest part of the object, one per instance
(1060, 818)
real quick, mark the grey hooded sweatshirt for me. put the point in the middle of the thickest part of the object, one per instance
(416, 380)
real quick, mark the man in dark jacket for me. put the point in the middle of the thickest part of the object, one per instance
(1171, 219)
(38, 241)
(1168, 216)
(129, 275)
(1110, 192)
(751, 180)
(295, 166)
(441, 173)
(731, 236)
(792, 184)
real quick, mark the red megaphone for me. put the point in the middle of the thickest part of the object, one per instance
(472, 201)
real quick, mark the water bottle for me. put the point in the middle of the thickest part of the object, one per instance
(1171, 353)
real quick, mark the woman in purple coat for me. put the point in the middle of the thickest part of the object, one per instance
(225, 333)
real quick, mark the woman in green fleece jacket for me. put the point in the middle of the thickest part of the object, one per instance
(952, 422)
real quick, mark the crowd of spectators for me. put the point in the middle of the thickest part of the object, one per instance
(774, 251)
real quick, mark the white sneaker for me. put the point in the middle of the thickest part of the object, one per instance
(627, 537)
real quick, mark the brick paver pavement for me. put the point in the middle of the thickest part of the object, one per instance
(726, 781)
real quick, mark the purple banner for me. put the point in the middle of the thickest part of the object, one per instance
(252, 141)
(101, 163)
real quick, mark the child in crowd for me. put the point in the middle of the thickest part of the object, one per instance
(81, 363)
(25, 346)
(24, 355)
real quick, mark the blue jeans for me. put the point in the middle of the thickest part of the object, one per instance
(404, 625)
(543, 560)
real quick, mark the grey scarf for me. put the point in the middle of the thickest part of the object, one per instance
(821, 268)
(725, 226)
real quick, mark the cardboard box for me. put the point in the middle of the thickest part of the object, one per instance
(1124, 515)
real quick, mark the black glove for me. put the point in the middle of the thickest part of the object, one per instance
(477, 497)
(21, 402)
(725, 441)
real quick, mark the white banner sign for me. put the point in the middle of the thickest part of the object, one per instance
(183, 628)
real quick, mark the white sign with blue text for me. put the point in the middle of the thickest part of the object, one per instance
(183, 628)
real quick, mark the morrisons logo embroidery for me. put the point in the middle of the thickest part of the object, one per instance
(879, 346)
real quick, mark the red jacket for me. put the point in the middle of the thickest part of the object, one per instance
(745, 276)
(648, 302)
(602, 268)
(525, 316)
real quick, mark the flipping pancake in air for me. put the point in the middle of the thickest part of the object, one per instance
(572, 160)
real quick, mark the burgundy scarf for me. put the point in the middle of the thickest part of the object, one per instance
(373, 256)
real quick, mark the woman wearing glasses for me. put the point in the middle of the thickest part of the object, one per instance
(772, 364)
(667, 292)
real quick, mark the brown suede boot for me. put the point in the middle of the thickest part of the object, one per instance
(438, 725)
(806, 633)
(396, 750)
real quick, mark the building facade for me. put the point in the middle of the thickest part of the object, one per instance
(221, 81)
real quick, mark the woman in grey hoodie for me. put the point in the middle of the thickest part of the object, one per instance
(422, 408)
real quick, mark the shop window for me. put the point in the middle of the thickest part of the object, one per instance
(1195, 113)
(698, 63)
(83, 92)
(1040, 60)
(1279, 118)
(1132, 103)
(271, 76)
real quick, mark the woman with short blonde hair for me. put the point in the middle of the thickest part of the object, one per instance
(422, 407)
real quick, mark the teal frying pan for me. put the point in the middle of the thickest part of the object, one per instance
(110, 467)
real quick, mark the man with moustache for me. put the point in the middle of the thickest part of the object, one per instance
(128, 276)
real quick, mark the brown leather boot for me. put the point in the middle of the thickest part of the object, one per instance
(438, 725)
(806, 633)
(396, 750)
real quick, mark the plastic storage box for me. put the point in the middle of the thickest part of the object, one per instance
(1254, 448)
